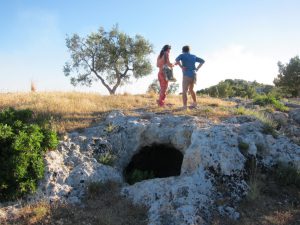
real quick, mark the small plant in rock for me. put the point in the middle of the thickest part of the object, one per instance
(107, 159)
(110, 128)
(243, 147)
(22, 146)
(139, 175)
(254, 182)
(255, 188)
(286, 174)
(269, 129)
(261, 148)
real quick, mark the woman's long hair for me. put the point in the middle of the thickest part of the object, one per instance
(164, 49)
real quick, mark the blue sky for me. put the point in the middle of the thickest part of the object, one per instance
(237, 39)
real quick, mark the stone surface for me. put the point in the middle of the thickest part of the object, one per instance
(295, 115)
(212, 155)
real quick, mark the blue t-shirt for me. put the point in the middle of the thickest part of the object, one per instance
(188, 61)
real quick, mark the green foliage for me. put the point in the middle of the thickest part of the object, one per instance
(264, 100)
(270, 129)
(109, 56)
(107, 159)
(240, 88)
(110, 128)
(240, 111)
(22, 145)
(233, 88)
(243, 147)
(286, 175)
(288, 78)
(154, 87)
(139, 175)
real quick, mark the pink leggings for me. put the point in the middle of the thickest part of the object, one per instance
(163, 88)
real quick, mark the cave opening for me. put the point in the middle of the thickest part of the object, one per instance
(155, 161)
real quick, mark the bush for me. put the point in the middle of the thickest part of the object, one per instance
(22, 146)
(264, 100)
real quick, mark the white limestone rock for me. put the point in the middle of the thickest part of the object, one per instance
(211, 154)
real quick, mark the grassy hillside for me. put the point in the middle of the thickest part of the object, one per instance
(75, 110)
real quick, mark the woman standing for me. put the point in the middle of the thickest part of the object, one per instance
(163, 59)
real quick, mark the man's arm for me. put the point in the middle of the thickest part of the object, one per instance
(178, 63)
(200, 61)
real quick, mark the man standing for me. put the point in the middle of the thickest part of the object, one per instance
(187, 62)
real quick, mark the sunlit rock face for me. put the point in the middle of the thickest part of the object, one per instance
(184, 158)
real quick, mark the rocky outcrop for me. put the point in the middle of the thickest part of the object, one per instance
(212, 153)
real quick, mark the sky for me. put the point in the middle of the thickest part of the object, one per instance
(242, 39)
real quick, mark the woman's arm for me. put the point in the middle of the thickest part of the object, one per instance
(168, 60)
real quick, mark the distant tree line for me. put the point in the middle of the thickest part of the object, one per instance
(287, 84)
(237, 88)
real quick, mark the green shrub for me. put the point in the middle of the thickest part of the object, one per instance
(139, 175)
(264, 100)
(286, 175)
(22, 145)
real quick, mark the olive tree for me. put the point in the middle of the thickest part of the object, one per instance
(288, 78)
(111, 57)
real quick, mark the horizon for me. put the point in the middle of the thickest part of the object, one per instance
(238, 40)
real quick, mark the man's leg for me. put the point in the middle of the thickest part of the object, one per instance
(185, 86)
(193, 94)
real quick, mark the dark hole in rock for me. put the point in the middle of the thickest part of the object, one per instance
(155, 161)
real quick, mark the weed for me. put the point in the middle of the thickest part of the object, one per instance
(254, 183)
(254, 189)
(243, 147)
(110, 128)
(107, 159)
(139, 175)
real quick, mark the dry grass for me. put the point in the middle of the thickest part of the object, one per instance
(75, 110)
(102, 206)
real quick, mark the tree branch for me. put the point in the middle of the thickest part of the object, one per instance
(92, 68)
